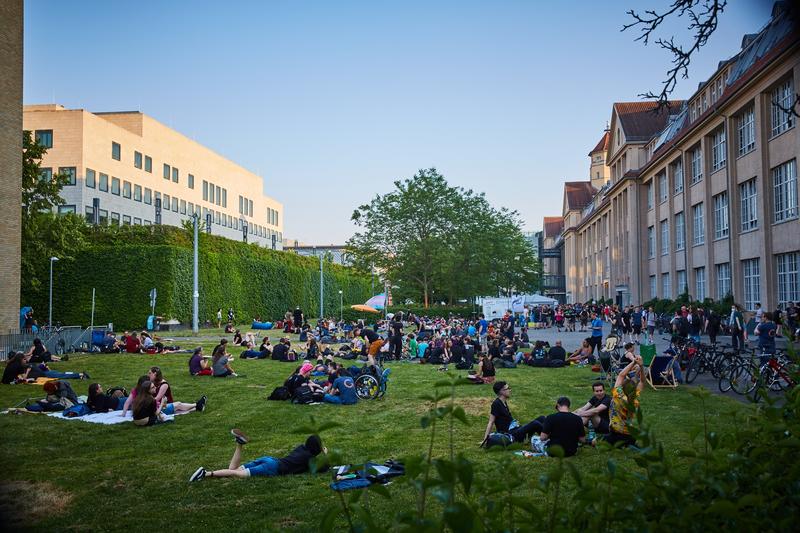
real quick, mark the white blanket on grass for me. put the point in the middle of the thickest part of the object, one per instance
(108, 419)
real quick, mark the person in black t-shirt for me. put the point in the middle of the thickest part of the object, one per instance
(500, 417)
(396, 326)
(297, 462)
(597, 409)
(557, 352)
(563, 428)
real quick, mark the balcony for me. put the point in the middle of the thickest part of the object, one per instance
(553, 282)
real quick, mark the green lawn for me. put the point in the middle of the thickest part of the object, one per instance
(85, 476)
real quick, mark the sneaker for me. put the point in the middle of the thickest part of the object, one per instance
(201, 403)
(240, 437)
(86, 375)
(199, 474)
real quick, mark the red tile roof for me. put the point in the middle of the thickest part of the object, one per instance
(642, 120)
(553, 226)
(602, 144)
(578, 194)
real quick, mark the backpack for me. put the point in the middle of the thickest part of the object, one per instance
(291, 357)
(497, 439)
(112, 390)
(463, 365)
(280, 394)
(508, 364)
(304, 394)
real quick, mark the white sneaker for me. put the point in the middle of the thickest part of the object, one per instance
(199, 474)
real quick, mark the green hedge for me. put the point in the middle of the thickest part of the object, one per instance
(254, 281)
(436, 311)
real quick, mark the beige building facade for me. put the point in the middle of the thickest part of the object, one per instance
(128, 164)
(11, 31)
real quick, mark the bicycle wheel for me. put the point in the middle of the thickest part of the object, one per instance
(724, 371)
(693, 369)
(743, 378)
(780, 379)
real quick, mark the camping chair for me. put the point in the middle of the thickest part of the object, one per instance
(660, 373)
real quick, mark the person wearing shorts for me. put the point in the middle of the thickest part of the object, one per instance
(297, 462)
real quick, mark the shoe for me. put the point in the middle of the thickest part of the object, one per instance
(240, 437)
(201, 403)
(65, 357)
(199, 474)
(86, 375)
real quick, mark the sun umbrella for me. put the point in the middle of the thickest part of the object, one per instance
(364, 308)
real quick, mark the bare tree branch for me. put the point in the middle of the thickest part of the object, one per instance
(793, 109)
(703, 17)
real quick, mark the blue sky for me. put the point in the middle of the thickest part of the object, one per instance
(332, 101)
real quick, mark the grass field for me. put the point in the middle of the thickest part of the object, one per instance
(73, 475)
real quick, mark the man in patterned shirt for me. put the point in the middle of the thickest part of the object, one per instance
(625, 402)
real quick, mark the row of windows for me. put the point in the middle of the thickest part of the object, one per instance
(245, 206)
(214, 193)
(787, 267)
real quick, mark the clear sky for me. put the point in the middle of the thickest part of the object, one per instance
(332, 101)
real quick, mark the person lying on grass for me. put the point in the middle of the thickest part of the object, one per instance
(19, 368)
(100, 402)
(297, 462)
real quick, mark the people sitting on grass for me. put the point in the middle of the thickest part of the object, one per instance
(144, 407)
(297, 462)
(19, 369)
(164, 398)
(501, 419)
(557, 352)
(582, 355)
(251, 352)
(485, 372)
(265, 348)
(237, 338)
(562, 428)
(343, 389)
(100, 402)
(281, 350)
(220, 361)
(39, 354)
(624, 403)
(148, 345)
(198, 363)
(110, 344)
(596, 412)
(132, 343)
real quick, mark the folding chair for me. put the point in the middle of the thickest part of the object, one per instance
(660, 374)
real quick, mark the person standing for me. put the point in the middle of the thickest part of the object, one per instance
(596, 340)
(298, 317)
(651, 324)
(736, 323)
(219, 318)
(396, 326)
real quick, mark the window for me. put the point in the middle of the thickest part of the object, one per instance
(190, 208)
(241, 205)
(663, 189)
(224, 221)
(723, 280)
(126, 220)
(664, 237)
(651, 244)
(697, 165)
(747, 131)
(680, 231)
(115, 186)
(90, 178)
(205, 190)
(147, 222)
(788, 278)
(174, 204)
(116, 151)
(126, 189)
(718, 152)
(103, 182)
(700, 283)
(235, 223)
(46, 174)
(103, 217)
(175, 175)
(211, 193)
(183, 207)
(165, 202)
(148, 164)
(190, 181)
(137, 221)
(166, 171)
(666, 286)
(64, 209)
(148, 196)
(114, 219)
(650, 195)
(44, 138)
(698, 225)
(782, 106)
(137, 159)
(216, 217)
(277, 223)
(250, 202)
(69, 172)
(784, 178)
(653, 287)
(88, 214)
(677, 175)
(749, 205)
(218, 195)
(137, 193)
(681, 286)
(721, 225)
(224, 197)
(752, 283)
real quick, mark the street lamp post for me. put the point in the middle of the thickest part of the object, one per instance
(321, 285)
(341, 306)
(195, 289)
(50, 310)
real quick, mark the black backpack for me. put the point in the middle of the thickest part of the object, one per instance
(304, 394)
(280, 394)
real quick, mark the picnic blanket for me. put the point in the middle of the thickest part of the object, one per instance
(107, 419)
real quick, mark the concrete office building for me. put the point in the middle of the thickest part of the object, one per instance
(129, 162)
(11, 29)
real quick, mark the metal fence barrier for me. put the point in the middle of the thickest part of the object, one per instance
(57, 340)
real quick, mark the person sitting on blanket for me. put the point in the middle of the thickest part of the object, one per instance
(343, 389)
(597, 409)
(132, 396)
(39, 354)
(100, 402)
(19, 368)
(297, 462)
(485, 372)
(198, 363)
(624, 403)
(164, 395)
(582, 354)
(144, 406)
(500, 417)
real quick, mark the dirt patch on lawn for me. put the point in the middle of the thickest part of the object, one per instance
(25, 502)
(476, 406)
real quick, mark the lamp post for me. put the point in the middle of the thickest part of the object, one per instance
(321, 285)
(195, 290)
(50, 310)
(341, 306)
